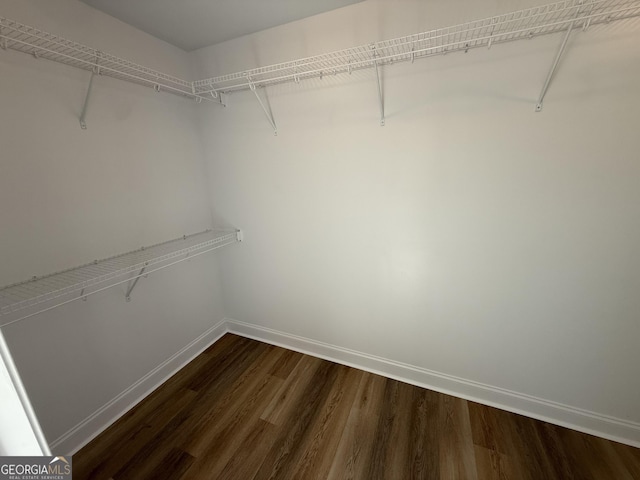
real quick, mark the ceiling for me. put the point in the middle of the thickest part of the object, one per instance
(193, 24)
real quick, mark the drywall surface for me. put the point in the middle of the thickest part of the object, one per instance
(135, 177)
(469, 236)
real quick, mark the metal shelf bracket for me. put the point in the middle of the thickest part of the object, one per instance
(556, 61)
(219, 97)
(83, 115)
(267, 111)
(134, 282)
(379, 80)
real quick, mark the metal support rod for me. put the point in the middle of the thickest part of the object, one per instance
(547, 82)
(83, 115)
(493, 28)
(22, 395)
(587, 22)
(133, 285)
(380, 94)
(266, 110)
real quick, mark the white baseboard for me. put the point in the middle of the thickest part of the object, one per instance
(85, 431)
(605, 426)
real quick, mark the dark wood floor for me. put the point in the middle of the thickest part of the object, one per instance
(246, 410)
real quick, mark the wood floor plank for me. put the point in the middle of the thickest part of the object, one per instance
(227, 435)
(531, 448)
(181, 427)
(225, 342)
(140, 417)
(247, 459)
(609, 456)
(457, 453)
(528, 450)
(253, 384)
(327, 430)
(554, 450)
(285, 452)
(491, 428)
(423, 458)
(144, 461)
(280, 408)
(356, 444)
(247, 410)
(630, 458)
(129, 440)
(594, 458)
(493, 465)
(222, 368)
(284, 366)
(390, 455)
(172, 467)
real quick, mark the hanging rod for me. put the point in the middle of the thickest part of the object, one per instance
(26, 299)
(522, 24)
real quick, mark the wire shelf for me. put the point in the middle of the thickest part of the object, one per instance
(513, 26)
(26, 39)
(509, 27)
(25, 299)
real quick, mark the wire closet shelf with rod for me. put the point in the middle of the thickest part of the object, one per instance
(40, 44)
(522, 24)
(40, 294)
(561, 17)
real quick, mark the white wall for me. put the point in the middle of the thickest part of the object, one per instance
(470, 235)
(67, 196)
